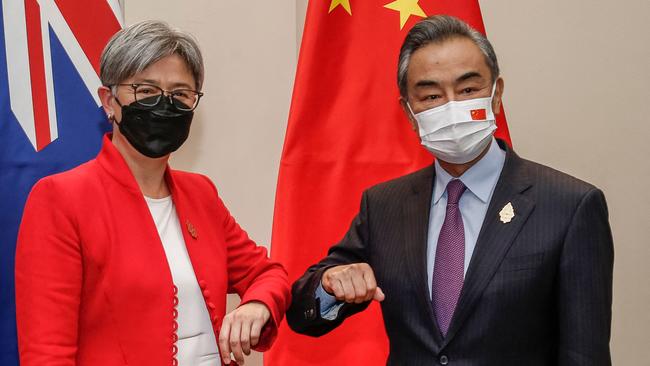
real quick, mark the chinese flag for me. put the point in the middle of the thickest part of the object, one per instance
(478, 114)
(346, 132)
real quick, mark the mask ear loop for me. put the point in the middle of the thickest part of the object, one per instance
(494, 89)
(410, 110)
(111, 117)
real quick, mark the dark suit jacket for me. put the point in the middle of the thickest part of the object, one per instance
(538, 290)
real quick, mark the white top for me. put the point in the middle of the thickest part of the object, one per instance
(197, 345)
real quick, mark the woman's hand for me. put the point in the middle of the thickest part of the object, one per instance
(241, 330)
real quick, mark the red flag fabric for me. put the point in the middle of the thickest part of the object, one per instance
(346, 132)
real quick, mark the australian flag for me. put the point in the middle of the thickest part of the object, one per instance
(50, 115)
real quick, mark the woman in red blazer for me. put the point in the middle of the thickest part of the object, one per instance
(124, 260)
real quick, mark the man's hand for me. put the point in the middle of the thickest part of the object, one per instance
(352, 283)
(241, 330)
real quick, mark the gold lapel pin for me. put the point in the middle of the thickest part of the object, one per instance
(191, 229)
(507, 213)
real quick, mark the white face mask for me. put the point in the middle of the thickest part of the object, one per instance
(459, 131)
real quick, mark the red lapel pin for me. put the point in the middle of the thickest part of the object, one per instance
(191, 229)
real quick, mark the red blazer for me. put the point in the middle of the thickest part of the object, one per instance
(93, 286)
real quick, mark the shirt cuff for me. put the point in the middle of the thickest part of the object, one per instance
(329, 306)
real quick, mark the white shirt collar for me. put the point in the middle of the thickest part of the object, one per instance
(480, 179)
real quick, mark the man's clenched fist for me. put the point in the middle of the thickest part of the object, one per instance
(352, 283)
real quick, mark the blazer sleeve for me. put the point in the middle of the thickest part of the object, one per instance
(584, 301)
(48, 280)
(254, 277)
(304, 315)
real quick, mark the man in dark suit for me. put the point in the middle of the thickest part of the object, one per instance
(483, 258)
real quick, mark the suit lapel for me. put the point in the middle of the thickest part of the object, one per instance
(495, 237)
(417, 207)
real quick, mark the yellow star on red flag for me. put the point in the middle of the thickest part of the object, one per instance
(344, 3)
(406, 8)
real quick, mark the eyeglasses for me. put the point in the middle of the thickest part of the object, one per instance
(148, 95)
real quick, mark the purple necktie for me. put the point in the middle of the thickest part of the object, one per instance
(448, 270)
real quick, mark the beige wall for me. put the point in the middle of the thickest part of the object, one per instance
(575, 74)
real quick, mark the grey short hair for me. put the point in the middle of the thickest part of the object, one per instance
(140, 45)
(436, 29)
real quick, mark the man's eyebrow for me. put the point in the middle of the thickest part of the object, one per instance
(426, 83)
(468, 75)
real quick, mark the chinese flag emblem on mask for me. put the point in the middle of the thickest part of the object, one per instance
(478, 114)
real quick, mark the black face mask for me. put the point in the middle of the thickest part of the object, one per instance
(155, 131)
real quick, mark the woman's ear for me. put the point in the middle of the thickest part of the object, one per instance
(107, 98)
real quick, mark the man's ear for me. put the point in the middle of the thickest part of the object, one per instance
(498, 94)
(404, 103)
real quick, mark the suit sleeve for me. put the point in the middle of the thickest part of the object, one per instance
(304, 315)
(584, 299)
(254, 277)
(48, 280)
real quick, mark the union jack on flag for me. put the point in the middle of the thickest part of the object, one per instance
(50, 115)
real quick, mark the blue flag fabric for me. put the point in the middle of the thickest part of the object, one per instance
(80, 124)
